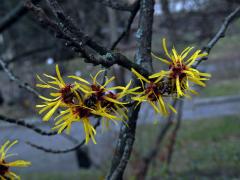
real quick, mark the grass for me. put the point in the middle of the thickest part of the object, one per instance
(222, 88)
(84, 174)
(226, 48)
(205, 149)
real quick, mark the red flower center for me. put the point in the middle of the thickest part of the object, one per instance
(82, 112)
(67, 94)
(153, 90)
(177, 70)
(95, 97)
(3, 169)
(99, 92)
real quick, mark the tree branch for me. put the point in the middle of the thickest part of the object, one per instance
(16, 14)
(61, 151)
(128, 27)
(28, 53)
(26, 125)
(146, 160)
(117, 4)
(68, 24)
(220, 34)
(143, 57)
(20, 83)
(174, 133)
(78, 40)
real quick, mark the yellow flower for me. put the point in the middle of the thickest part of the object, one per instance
(153, 93)
(64, 94)
(104, 99)
(82, 114)
(76, 114)
(81, 100)
(5, 172)
(112, 101)
(180, 71)
(95, 88)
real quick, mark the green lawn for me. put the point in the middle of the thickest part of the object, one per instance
(221, 88)
(205, 149)
(84, 174)
(226, 48)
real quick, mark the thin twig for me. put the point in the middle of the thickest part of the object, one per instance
(128, 27)
(109, 57)
(150, 156)
(69, 24)
(220, 33)
(56, 151)
(118, 5)
(143, 57)
(174, 133)
(27, 125)
(78, 41)
(14, 78)
(28, 53)
(61, 151)
(14, 15)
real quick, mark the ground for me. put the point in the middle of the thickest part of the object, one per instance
(205, 149)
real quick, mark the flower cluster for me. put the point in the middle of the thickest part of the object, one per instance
(176, 81)
(5, 166)
(153, 93)
(181, 75)
(81, 100)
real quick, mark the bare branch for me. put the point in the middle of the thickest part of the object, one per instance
(61, 151)
(54, 28)
(68, 24)
(14, 78)
(28, 53)
(220, 34)
(107, 58)
(123, 141)
(130, 21)
(56, 151)
(27, 125)
(117, 4)
(143, 57)
(146, 160)
(174, 133)
(16, 14)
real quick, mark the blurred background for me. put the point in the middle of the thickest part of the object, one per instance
(208, 141)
